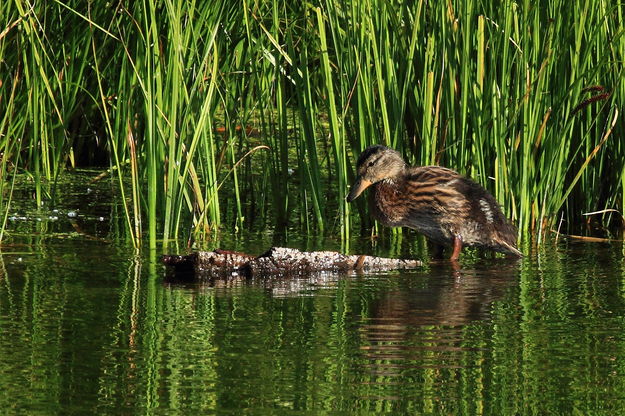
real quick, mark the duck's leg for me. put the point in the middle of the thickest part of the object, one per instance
(457, 248)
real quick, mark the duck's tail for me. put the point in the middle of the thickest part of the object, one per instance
(505, 239)
(508, 248)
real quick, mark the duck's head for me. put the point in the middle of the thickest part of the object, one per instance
(375, 164)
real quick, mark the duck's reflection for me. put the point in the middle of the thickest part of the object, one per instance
(451, 295)
(425, 324)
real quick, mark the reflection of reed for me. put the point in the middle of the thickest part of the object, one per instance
(3, 271)
(134, 276)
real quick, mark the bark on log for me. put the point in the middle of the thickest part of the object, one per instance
(277, 261)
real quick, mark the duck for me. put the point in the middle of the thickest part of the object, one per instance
(448, 208)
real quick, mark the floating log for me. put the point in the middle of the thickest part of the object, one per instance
(276, 262)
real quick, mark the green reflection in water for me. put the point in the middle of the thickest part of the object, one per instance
(89, 327)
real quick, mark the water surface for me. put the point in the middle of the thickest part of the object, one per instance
(88, 327)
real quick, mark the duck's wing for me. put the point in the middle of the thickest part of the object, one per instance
(484, 214)
(433, 188)
(459, 205)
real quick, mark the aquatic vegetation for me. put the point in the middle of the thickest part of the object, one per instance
(253, 111)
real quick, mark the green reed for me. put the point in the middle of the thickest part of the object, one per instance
(180, 95)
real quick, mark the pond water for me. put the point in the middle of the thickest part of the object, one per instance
(90, 327)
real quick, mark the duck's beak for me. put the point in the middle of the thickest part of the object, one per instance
(357, 188)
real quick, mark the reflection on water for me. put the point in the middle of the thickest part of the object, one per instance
(423, 326)
(89, 327)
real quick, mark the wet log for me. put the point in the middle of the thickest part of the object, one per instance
(276, 262)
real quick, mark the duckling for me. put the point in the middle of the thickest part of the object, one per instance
(446, 207)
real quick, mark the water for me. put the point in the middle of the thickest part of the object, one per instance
(90, 327)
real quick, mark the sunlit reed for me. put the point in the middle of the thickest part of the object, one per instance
(521, 97)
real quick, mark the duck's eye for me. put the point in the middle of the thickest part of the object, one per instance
(371, 163)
